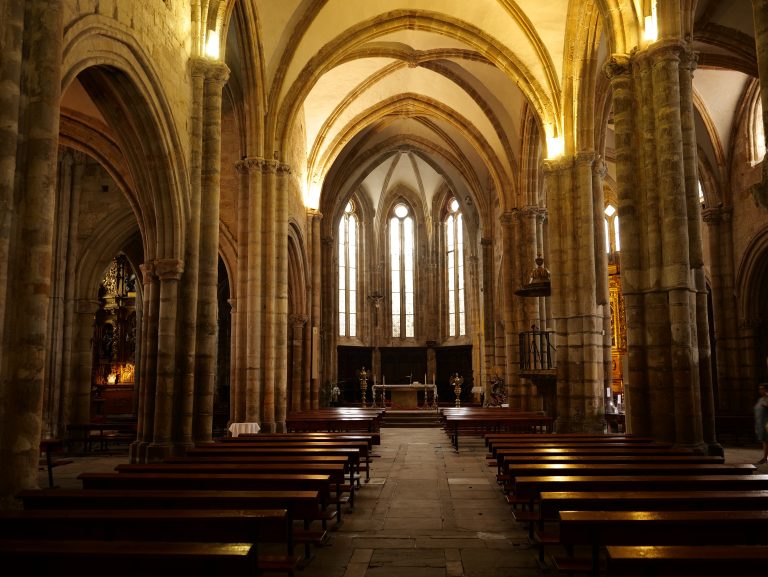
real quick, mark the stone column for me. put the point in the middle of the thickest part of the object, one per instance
(26, 231)
(760, 15)
(148, 355)
(280, 343)
(169, 272)
(216, 75)
(298, 322)
(252, 317)
(78, 394)
(515, 394)
(11, 40)
(269, 265)
(189, 290)
(74, 381)
(316, 266)
(731, 381)
(486, 295)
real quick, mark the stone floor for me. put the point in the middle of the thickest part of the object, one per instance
(427, 511)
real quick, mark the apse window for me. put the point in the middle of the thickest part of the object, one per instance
(401, 258)
(454, 257)
(348, 249)
(612, 242)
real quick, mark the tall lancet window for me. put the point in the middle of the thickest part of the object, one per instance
(612, 242)
(401, 258)
(348, 272)
(454, 247)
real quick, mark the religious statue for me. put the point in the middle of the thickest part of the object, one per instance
(363, 383)
(457, 381)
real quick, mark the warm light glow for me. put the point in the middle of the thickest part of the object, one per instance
(111, 378)
(212, 45)
(555, 146)
(651, 32)
(312, 194)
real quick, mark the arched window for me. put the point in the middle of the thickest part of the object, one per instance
(612, 242)
(348, 272)
(401, 258)
(454, 253)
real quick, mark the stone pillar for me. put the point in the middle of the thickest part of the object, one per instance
(269, 265)
(11, 40)
(280, 342)
(515, 394)
(486, 296)
(298, 322)
(316, 266)
(249, 401)
(148, 355)
(216, 75)
(27, 200)
(760, 15)
(78, 394)
(76, 380)
(169, 272)
(731, 381)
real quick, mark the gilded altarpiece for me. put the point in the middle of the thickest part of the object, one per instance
(618, 329)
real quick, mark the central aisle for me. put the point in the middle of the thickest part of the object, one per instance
(427, 512)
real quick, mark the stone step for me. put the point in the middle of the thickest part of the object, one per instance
(394, 418)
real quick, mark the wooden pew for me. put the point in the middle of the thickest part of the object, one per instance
(302, 506)
(336, 471)
(675, 561)
(49, 447)
(83, 558)
(219, 449)
(363, 445)
(218, 482)
(373, 437)
(597, 529)
(530, 488)
(554, 437)
(192, 525)
(482, 423)
(553, 503)
(101, 433)
(631, 465)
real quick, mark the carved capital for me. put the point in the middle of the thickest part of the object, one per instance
(298, 321)
(217, 74)
(553, 165)
(617, 66)
(509, 218)
(169, 269)
(716, 215)
(147, 272)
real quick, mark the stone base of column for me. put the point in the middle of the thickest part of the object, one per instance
(270, 428)
(157, 452)
(579, 424)
(137, 452)
(715, 449)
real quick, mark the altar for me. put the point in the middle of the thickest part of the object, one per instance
(404, 396)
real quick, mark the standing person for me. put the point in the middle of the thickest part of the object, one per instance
(761, 420)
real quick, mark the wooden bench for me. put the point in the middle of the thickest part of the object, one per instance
(219, 449)
(597, 529)
(546, 519)
(302, 506)
(374, 437)
(101, 434)
(48, 447)
(87, 558)
(481, 424)
(218, 482)
(336, 472)
(528, 489)
(258, 527)
(675, 561)
(363, 445)
(572, 437)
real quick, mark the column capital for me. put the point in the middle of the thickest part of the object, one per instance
(585, 157)
(313, 213)
(298, 321)
(212, 71)
(553, 165)
(509, 217)
(617, 66)
(147, 272)
(169, 268)
(717, 214)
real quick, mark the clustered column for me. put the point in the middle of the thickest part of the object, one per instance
(27, 210)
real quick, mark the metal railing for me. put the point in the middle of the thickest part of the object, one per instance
(537, 351)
